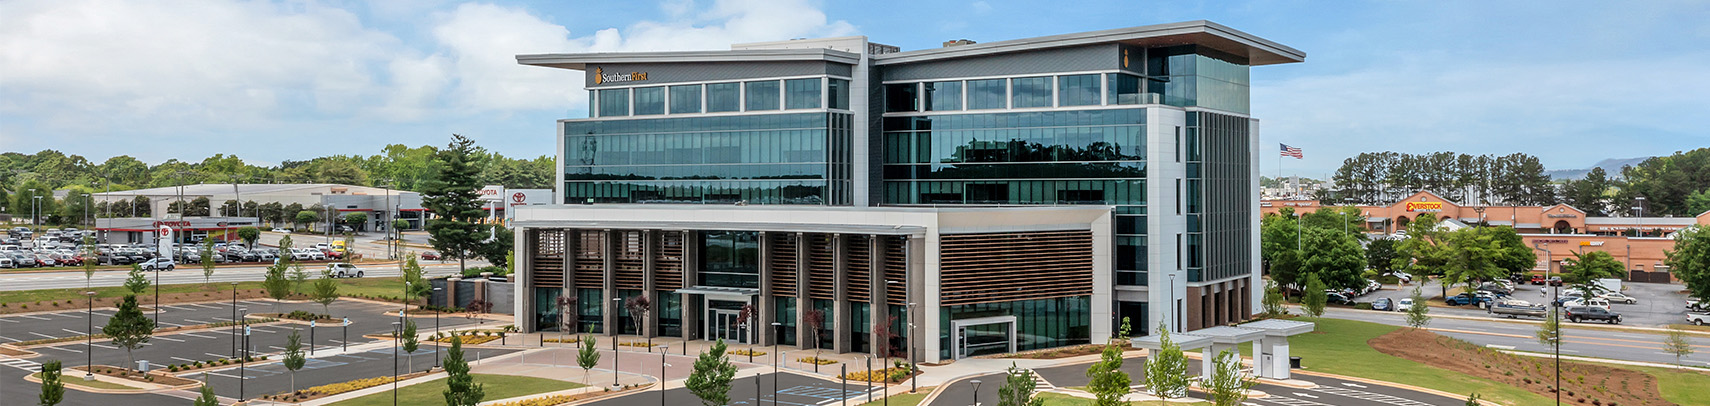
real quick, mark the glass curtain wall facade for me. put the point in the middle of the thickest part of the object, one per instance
(1192, 75)
(1040, 323)
(802, 158)
(1219, 203)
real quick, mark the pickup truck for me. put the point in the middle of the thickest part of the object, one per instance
(1515, 308)
(1577, 314)
(1698, 318)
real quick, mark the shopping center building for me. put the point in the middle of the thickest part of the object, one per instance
(949, 202)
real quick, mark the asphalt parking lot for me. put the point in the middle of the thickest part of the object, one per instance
(1329, 392)
(791, 390)
(204, 345)
(1659, 304)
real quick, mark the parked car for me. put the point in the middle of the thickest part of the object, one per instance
(1555, 281)
(1383, 304)
(344, 270)
(1697, 306)
(1582, 302)
(1403, 304)
(1577, 314)
(281, 230)
(1698, 319)
(164, 264)
(430, 256)
(1618, 297)
(1338, 298)
(46, 260)
(6, 262)
(1465, 298)
(1514, 308)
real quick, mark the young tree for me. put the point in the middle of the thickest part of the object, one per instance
(1418, 314)
(206, 257)
(305, 217)
(1109, 383)
(638, 310)
(1516, 256)
(53, 391)
(1690, 261)
(1676, 344)
(1228, 386)
(277, 285)
(355, 220)
(293, 357)
(91, 259)
(1582, 271)
(1425, 251)
(1166, 370)
(451, 196)
(128, 328)
(587, 356)
(711, 377)
(461, 389)
(1273, 300)
(208, 397)
(411, 344)
(1550, 331)
(137, 282)
(415, 279)
(1473, 258)
(1314, 298)
(1018, 387)
(298, 276)
(325, 291)
(814, 319)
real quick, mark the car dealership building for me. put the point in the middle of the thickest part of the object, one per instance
(972, 199)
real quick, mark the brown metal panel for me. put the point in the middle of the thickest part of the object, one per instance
(860, 264)
(822, 263)
(896, 269)
(783, 263)
(546, 267)
(590, 261)
(668, 261)
(629, 260)
(1002, 267)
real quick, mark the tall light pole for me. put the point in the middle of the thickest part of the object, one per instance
(665, 349)
(387, 222)
(234, 319)
(397, 332)
(89, 341)
(913, 384)
(245, 358)
(1555, 315)
(616, 301)
(436, 332)
(777, 335)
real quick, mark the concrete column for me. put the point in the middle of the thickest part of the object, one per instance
(1260, 367)
(609, 318)
(451, 291)
(1205, 367)
(878, 311)
(571, 240)
(764, 312)
(841, 329)
(691, 268)
(649, 287)
(522, 314)
(803, 303)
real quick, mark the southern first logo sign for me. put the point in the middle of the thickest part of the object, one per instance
(600, 76)
(1425, 206)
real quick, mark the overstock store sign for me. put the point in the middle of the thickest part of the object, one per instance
(1425, 206)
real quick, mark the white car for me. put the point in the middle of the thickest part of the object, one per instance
(1594, 302)
(281, 230)
(344, 270)
(163, 264)
(1618, 297)
(1404, 304)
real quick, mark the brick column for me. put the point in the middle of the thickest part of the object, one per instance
(691, 268)
(764, 313)
(841, 328)
(803, 303)
(878, 310)
(649, 247)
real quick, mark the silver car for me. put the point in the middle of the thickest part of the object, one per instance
(344, 270)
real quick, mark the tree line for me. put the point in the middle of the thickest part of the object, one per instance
(1673, 185)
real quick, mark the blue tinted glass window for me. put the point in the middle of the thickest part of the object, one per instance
(762, 95)
(987, 94)
(901, 97)
(1030, 92)
(1124, 89)
(685, 99)
(837, 94)
(649, 101)
(723, 97)
(943, 96)
(614, 102)
(801, 93)
(1077, 90)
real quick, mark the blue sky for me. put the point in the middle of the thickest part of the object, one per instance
(1571, 82)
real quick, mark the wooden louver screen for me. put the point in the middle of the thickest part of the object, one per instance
(860, 267)
(1002, 267)
(668, 261)
(629, 260)
(896, 269)
(822, 263)
(782, 259)
(590, 265)
(547, 264)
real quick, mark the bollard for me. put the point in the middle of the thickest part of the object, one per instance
(845, 378)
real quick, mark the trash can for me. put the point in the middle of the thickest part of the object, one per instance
(142, 365)
(1293, 362)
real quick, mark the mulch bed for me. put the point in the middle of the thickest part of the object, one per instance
(131, 375)
(144, 301)
(1582, 384)
(1059, 352)
(14, 352)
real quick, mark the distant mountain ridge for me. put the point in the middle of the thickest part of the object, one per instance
(1612, 166)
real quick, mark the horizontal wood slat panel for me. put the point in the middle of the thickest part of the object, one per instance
(629, 259)
(547, 263)
(1003, 267)
(590, 261)
(860, 267)
(822, 261)
(782, 259)
(668, 261)
(896, 269)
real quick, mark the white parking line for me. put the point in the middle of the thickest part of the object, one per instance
(206, 306)
(168, 339)
(197, 321)
(104, 346)
(32, 317)
(185, 359)
(7, 320)
(72, 331)
(195, 335)
(70, 315)
(63, 349)
(43, 335)
(216, 355)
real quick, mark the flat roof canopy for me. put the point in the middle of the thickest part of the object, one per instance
(1186, 341)
(1280, 328)
(1230, 335)
(1258, 51)
(581, 61)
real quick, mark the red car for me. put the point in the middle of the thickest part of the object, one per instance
(332, 254)
(1537, 279)
(430, 256)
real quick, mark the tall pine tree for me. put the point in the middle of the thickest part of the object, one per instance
(452, 198)
(461, 389)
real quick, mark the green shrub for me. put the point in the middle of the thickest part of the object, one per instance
(1363, 306)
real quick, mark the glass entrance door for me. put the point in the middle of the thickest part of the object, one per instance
(725, 327)
(983, 339)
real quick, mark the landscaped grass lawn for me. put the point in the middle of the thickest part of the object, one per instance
(1052, 399)
(1339, 347)
(905, 399)
(1679, 386)
(78, 380)
(433, 392)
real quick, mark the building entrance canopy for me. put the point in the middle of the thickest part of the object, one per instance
(1269, 338)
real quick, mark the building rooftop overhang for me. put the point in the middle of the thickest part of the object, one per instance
(1258, 51)
(581, 61)
(1185, 341)
(1230, 335)
(1280, 328)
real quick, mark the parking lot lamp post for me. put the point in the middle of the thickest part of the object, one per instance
(397, 331)
(234, 318)
(157, 295)
(1555, 314)
(777, 335)
(245, 357)
(666, 349)
(976, 383)
(616, 302)
(436, 332)
(912, 385)
(89, 342)
(869, 359)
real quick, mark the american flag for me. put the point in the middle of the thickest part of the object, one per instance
(1291, 151)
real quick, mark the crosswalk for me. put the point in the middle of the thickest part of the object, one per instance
(21, 363)
(1369, 396)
